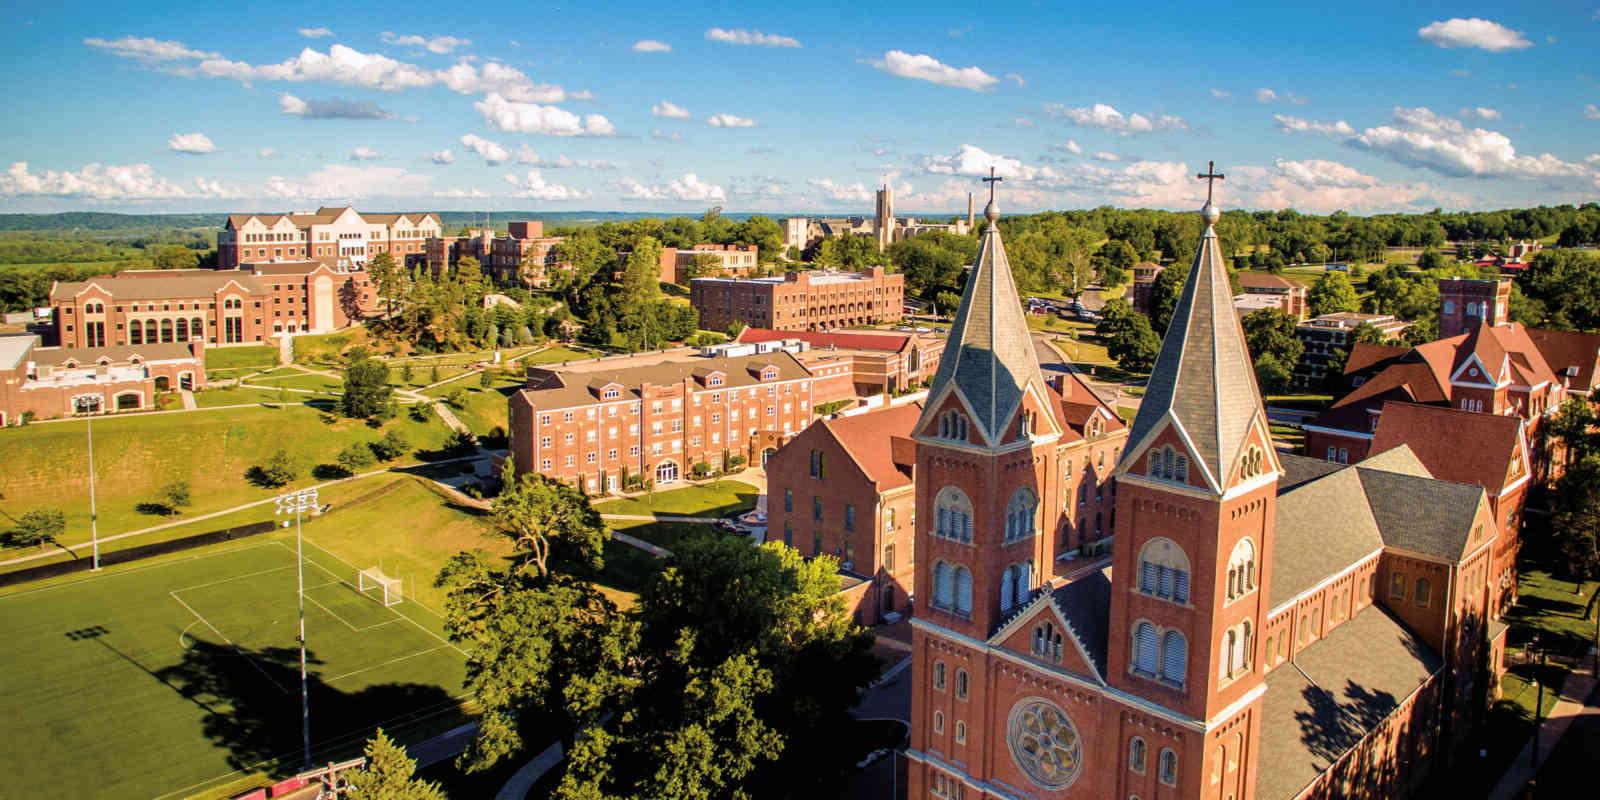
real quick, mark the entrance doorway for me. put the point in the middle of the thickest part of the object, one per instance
(666, 473)
(767, 454)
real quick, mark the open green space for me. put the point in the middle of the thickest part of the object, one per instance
(327, 348)
(558, 354)
(483, 409)
(717, 498)
(46, 466)
(246, 356)
(240, 395)
(665, 534)
(295, 379)
(181, 677)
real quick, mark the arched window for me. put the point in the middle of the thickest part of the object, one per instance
(1169, 767)
(1020, 513)
(135, 333)
(938, 675)
(150, 334)
(1251, 464)
(1246, 645)
(944, 585)
(1024, 424)
(1174, 657)
(954, 515)
(1047, 642)
(1015, 585)
(1422, 590)
(1145, 645)
(963, 591)
(166, 330)
(183, 330)
(1136, 755)
(1229, 649)
(1241, 569)
(1164, 570)
(197, 328)
(953, 425)
(1180, 470)
(961, 684)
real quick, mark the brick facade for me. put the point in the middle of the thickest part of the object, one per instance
(333, 236)
(800, 301)
(51, 382)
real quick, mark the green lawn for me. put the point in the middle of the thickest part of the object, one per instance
(665, 534)
(180, 677)
(1288, 435)
(711, 499)
(485, 409)
(295, 379)
(326, 348)
(1305, 402)
(238, 395)
(46, 465)
(252, 356)
(558, 354)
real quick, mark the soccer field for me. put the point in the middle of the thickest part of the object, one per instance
(180, 677)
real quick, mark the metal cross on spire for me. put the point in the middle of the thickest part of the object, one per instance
(1210, 176)
(992, 180)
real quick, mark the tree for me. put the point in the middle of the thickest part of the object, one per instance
(1114, 260)
(1575, 523)
(1271, 331)
(277, 471)
(548, 522)
(354, 457)
(173, 496)
(1567, 283)
(1272, 374)
(1128, 336)
(405, 372)
(175, 256)
(388, 775)
(392, 446)
(703, 265)
(367, 393)
(641, 276)
(1164, 295)
(1573, 427)
(485, 379)
(388, 279)
(36, 527)
(1332, 293)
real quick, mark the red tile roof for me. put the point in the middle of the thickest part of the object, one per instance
(868, 438)
(1265, 280)
(1460, 446)
(1364, 355)
(1564, 350)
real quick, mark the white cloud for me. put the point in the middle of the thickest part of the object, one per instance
(651, 46)
(924, 67)
(1104, 116)
(191, 143)
(332, 108)
(508, 115)
(729, 121)
(442, 157)
(437, 44)
(1481, 112)
(365, 153)
(491, 153)
(1480, 33)
(315, 33)
(507, 81)
(1290, 124)
(972, 160)
(741, 36)
(1421, 138)
(100, 182)
(527, 155)
(458, 194)
(689, 188)
(347, 182)
(1015, 78)
(1591, 111)
(1264, 95)
(1106, 155)
(1221, 94)
(1321, 186)
(664, 136)
(267, 152)
(667, 108)
(147, 49)
(854, 193)
(535, 186)
(1070, 145)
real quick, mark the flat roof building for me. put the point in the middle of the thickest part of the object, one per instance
(816, 300)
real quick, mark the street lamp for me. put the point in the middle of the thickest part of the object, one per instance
(86, 404)
(296, 503)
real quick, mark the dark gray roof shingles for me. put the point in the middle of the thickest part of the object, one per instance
(1086, 603)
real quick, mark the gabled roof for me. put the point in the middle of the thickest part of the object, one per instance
(1422, 515)
(892, 342)
(1570, 354)
(1366, 355)
(989, 358)
(1086, 605)
(1455, 445)
(1203, 381)
(1265, 280)
(1321, 527)
(180, 285)
(869, 439)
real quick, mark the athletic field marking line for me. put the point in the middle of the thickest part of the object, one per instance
(233, 578)
(229, 642)
(395, 660)
(132, 570)
(419, 625)
(346, 622)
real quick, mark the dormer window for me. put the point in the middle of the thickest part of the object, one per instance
(1097, 426)
(1025, 422)
(610, 393)
(714, 380)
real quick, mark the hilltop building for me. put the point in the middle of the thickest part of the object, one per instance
(730, 261)
(336, 236)
(50, 382)
(815, 300)
(1328, 334)
(881, 362)
(1273, 291)
(524, 255)
(1267, 626)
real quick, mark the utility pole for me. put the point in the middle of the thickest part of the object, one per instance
(296, 503)
(84, 405)
(1538, 711)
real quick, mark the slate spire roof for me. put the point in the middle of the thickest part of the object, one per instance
(1203, 381)
(989, 356)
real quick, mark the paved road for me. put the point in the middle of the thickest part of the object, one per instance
(1053, 362)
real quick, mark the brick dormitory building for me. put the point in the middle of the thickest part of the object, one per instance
(331, 235)
(815, 300)
(49, 382)
(1264, 626)
(523, 255)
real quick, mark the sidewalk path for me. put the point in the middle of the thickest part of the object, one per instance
(1577, 697)
(188, 400)
(661, 518)
(522, 782)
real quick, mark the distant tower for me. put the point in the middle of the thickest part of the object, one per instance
(1465, 304)
(883, 221)
(970, 218)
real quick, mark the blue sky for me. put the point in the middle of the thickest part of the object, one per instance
(667, 107)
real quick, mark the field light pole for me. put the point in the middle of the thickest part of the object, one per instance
(83, 404)
(296, 503)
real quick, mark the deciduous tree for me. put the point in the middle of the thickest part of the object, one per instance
(367, 393)
(1332, 293)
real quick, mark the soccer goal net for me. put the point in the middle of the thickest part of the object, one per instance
(373, 583)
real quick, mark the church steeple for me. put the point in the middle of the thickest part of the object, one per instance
(988, 362)
(1204, 382)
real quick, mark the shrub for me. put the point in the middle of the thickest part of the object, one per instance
(277, 471)
(393, 445)
(422, 412)
(457, 398)
(39, 526)
(355, 457)
(700, 469)
(735, 461)
(485, 379)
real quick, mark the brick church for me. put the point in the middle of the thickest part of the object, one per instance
(1266, 625)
